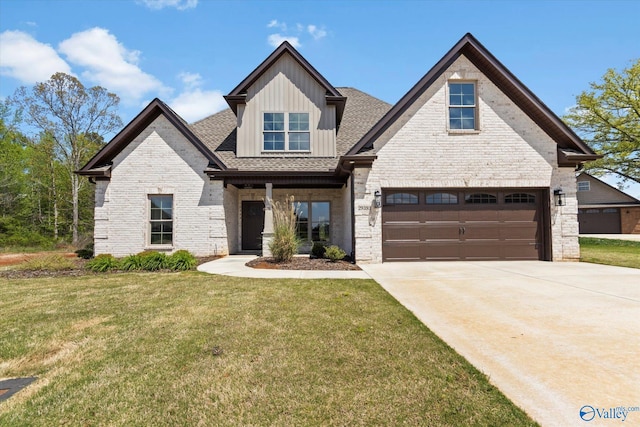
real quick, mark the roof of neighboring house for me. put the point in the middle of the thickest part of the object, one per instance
(572, 149)
(218, 133)
(602, 194)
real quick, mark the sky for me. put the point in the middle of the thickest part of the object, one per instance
(190, 53)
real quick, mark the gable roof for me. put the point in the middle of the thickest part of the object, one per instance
(618, 197)
(239, 93)
(568, 142)
(98, 165)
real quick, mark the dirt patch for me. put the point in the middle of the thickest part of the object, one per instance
(303, 263)
(15, 259)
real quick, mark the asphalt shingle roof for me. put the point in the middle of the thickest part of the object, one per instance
(218, 133)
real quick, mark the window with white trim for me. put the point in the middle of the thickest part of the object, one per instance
(286, 132)
(161, 219)
(584, 186)
(462, 106)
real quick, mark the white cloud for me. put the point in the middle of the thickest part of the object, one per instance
(161, 4)
(316, 33)
(276, 40)
(274, 23)
(26, 59)
(194, 103)
(110, 64)
(190, 80)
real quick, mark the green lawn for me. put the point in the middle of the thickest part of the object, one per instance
(194, 349)
(622, 253)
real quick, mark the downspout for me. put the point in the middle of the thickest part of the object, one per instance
(353, 219)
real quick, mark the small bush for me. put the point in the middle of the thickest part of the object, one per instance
(86, 252)
(131, 263)
(334, 253)
(317, 250)
(47, 263)
(102, 263)
(153, 260)
(182, 260)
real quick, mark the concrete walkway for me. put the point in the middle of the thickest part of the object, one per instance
(234, 265)
(632, 237)
(554, 337)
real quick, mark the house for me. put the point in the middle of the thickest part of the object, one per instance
(468, 165)
(603, 209)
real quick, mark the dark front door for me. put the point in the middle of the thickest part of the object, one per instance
(252, 225)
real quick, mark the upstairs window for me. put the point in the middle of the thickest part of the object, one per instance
(286, 132)
(462, 106)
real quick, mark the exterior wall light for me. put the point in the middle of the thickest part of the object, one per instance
(377, 199)
(558, 194)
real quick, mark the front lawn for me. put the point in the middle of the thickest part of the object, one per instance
(622, 253)
(194, 349)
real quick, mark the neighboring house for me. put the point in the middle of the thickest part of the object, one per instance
(603, 209)
(467, 165)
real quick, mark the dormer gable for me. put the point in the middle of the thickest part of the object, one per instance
(286, 107)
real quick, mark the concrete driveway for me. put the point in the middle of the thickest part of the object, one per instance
(556, 338)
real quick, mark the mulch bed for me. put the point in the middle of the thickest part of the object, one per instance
(78, 270)
(303, 263)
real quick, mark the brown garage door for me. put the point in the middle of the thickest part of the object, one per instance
(462, 224)
(599, 221)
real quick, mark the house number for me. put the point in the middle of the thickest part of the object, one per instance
(363, 208)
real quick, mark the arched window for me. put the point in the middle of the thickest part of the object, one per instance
(401, 199)
(442, 199)
(480, 198)
(520, 198)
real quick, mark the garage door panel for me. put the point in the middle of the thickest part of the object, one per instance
(464, 231)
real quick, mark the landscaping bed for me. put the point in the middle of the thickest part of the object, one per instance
(303, 263)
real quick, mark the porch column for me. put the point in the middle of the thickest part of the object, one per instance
(267, 233)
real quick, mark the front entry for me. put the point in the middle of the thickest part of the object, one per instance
(252, 225)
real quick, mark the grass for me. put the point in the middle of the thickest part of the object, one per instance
(621, 253)
(168, 349)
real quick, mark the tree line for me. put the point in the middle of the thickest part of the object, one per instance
(49, 131)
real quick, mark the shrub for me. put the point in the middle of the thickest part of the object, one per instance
(317, 250)
(15, 235)
(334, 253)
(284, 244)
(182, 260)
(102, 263)
(153, 260)
(131, 263)
(53, 262)
(86, 252)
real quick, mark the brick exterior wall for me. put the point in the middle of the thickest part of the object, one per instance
(509, 150)
(630, 219)
(160, 161)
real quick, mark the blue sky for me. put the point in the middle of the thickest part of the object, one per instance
(191, 52)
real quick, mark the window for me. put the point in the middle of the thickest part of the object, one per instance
(296, 139)
(442, 199)
(584, 186)
(462, 106)
(401, 199)
(519, 198)
(161, 219)
(480, 198)
(314, 221)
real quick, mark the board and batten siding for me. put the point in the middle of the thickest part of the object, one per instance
(286, 88)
